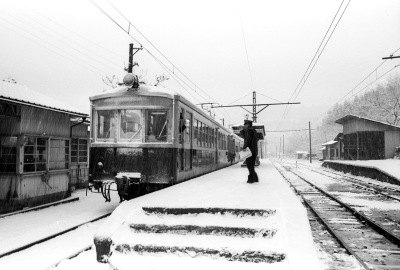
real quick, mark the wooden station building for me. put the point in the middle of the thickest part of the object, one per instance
(366, 139)
(43, 148)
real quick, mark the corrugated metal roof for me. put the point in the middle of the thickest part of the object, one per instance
(21, 94)
(352, 117)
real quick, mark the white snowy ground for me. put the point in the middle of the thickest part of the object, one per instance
(224, 188)
(21, 229)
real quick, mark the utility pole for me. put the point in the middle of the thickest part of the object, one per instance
(309, 132)
(280, 147)
(254, 107)
(131, 54)
(130, 66)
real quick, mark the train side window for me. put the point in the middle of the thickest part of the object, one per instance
(105, 124)
(157, 126)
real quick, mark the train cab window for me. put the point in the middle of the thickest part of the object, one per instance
(157, 126)
(105, 124)
(130, 126)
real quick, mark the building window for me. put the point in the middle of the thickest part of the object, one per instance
(157, 126)
(105, 125)
(35, 154)
(59, 154)
(8, 154)
(7, 109)
(79, 151)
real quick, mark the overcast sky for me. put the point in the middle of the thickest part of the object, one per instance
(227, 49)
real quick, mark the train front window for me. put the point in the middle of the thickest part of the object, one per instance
(157, 126)
(130, 125)
(105, 125)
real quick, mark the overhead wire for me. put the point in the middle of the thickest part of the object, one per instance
(351, 91)
(151, 43)
(57, 35)
(243, 96)
(63, 53)
(247, 54)
(174, 67)
(166, 58)
(322, 50)
(312, 62)
(268, 97)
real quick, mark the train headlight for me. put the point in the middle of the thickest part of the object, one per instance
(131, 80)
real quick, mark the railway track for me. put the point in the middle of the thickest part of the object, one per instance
(390, 191)
(70, 256)
(52, 236)
(372, 239)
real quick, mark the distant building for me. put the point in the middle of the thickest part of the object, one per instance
(43, 147)
(366, 139)
(301, 154)
(334, 149)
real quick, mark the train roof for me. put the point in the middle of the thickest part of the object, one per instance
(143, 89)
(149, 90)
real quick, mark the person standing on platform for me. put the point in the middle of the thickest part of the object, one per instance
(250, 141)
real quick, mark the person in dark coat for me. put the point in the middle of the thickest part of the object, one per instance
(250, 141)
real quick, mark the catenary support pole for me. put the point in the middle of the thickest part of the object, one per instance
(309, 132)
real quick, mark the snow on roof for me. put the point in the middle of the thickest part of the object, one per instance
(23, 95)
(352, 117)
(329, 143)
(147, 89)
(301, 152)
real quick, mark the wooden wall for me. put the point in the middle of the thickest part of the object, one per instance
(37, 121)
(392, 140)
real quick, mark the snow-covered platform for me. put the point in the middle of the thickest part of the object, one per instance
(386, 170)
(216, 221)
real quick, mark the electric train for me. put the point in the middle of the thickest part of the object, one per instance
(144, 138)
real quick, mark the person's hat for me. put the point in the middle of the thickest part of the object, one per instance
(248, 122)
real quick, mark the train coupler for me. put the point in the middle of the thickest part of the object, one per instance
(127, 181)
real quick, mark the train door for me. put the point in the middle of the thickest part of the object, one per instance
(185, 140)
(188, 144)
(216, 145)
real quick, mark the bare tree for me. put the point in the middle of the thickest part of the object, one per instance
(111, 81)
(160, 79)
(385, 101)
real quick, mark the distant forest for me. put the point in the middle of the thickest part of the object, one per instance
(382, 103)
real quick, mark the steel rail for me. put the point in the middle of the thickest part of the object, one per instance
(393, 238)
(73, 255)
(326, 224)
(356, 184)
(44, 239)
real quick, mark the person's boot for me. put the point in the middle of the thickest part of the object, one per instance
(249, 179)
